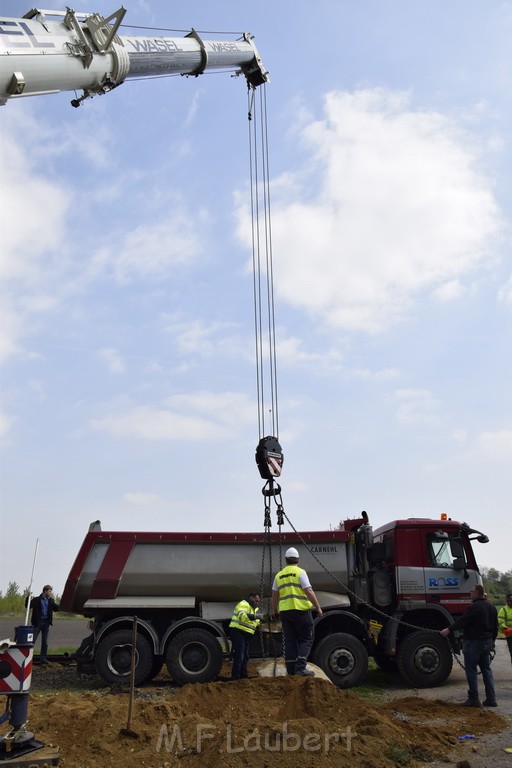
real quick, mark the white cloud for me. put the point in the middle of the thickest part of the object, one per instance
(393, 204)
(112, 358)
(202, 416)
(151, 250)
(291, 353)
(46, 256)
(196, 337)
(228, 408)
(33, 222)
(139, 499)
(489, 448)
(452, 289)
(6, 423)
(148, 423)
(459, 435)
(33, 211)
(416, 406)
(495, 446)
(505, 292)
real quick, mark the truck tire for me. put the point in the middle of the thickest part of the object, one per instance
(114, 657)
(194, 656)
(343, 659)
(424, 659)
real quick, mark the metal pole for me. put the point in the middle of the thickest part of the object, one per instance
(31, 580)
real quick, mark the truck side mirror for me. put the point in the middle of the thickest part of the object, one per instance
(459, 564)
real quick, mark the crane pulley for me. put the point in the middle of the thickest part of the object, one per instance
(269, 457)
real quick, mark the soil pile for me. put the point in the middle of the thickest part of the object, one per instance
(260, 722)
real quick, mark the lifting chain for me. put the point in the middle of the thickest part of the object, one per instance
(270, 491)
(371, 607)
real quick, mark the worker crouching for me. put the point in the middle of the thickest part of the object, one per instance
(293, 598)
(242, 627)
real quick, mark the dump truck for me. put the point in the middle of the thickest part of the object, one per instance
(384, 594)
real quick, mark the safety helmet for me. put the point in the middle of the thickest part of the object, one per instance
(292, 552)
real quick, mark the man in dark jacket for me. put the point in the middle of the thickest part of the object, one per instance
(42, 618)
(479, 624)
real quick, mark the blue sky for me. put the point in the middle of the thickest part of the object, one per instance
(128, 375)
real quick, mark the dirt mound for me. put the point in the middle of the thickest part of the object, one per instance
(257, 722)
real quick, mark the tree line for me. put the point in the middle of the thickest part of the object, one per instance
(13, 602)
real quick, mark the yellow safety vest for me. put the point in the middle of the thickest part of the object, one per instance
(504, 617)
(291, 595)
(240, 620)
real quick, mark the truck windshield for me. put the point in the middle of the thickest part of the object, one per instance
(444, 552)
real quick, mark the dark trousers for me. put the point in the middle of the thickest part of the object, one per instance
(509, 643)
(42, 629)
(241, 641)
(298, 636)
(477, 654)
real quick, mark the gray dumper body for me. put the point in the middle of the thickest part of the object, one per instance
(179, 569)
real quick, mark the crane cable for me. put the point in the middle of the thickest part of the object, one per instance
(262, 262)
(264, 312)
(269, 455)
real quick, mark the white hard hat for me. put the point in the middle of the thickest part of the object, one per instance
(292, 552)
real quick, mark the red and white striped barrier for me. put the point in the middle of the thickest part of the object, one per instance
(15, 670)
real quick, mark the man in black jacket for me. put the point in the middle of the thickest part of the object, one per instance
(479, 624)
(42, 618)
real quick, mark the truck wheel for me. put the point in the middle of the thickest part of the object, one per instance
(114, 657)
(343, 658)
(424, 659)
(194, 656)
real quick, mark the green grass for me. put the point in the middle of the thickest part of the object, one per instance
(403, 755)
(373, 687)
(19, 616)
(61, 650)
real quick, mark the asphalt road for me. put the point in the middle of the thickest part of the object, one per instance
(489, 749)
(65, 633)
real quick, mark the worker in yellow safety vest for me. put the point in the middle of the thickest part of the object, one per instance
(293, 598)
(505, 621)
(242, 627)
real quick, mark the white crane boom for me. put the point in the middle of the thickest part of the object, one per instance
(84, 52)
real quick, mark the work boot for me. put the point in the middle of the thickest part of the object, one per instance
(472, 703)
(490, 703)
(305, 673)
(290, 668)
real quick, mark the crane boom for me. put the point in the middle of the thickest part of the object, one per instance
(39, 55)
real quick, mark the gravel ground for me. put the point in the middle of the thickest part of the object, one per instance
(489, 750)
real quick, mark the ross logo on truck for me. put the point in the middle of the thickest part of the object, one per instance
(449, 581)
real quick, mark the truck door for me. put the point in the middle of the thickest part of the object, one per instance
(448, 577)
